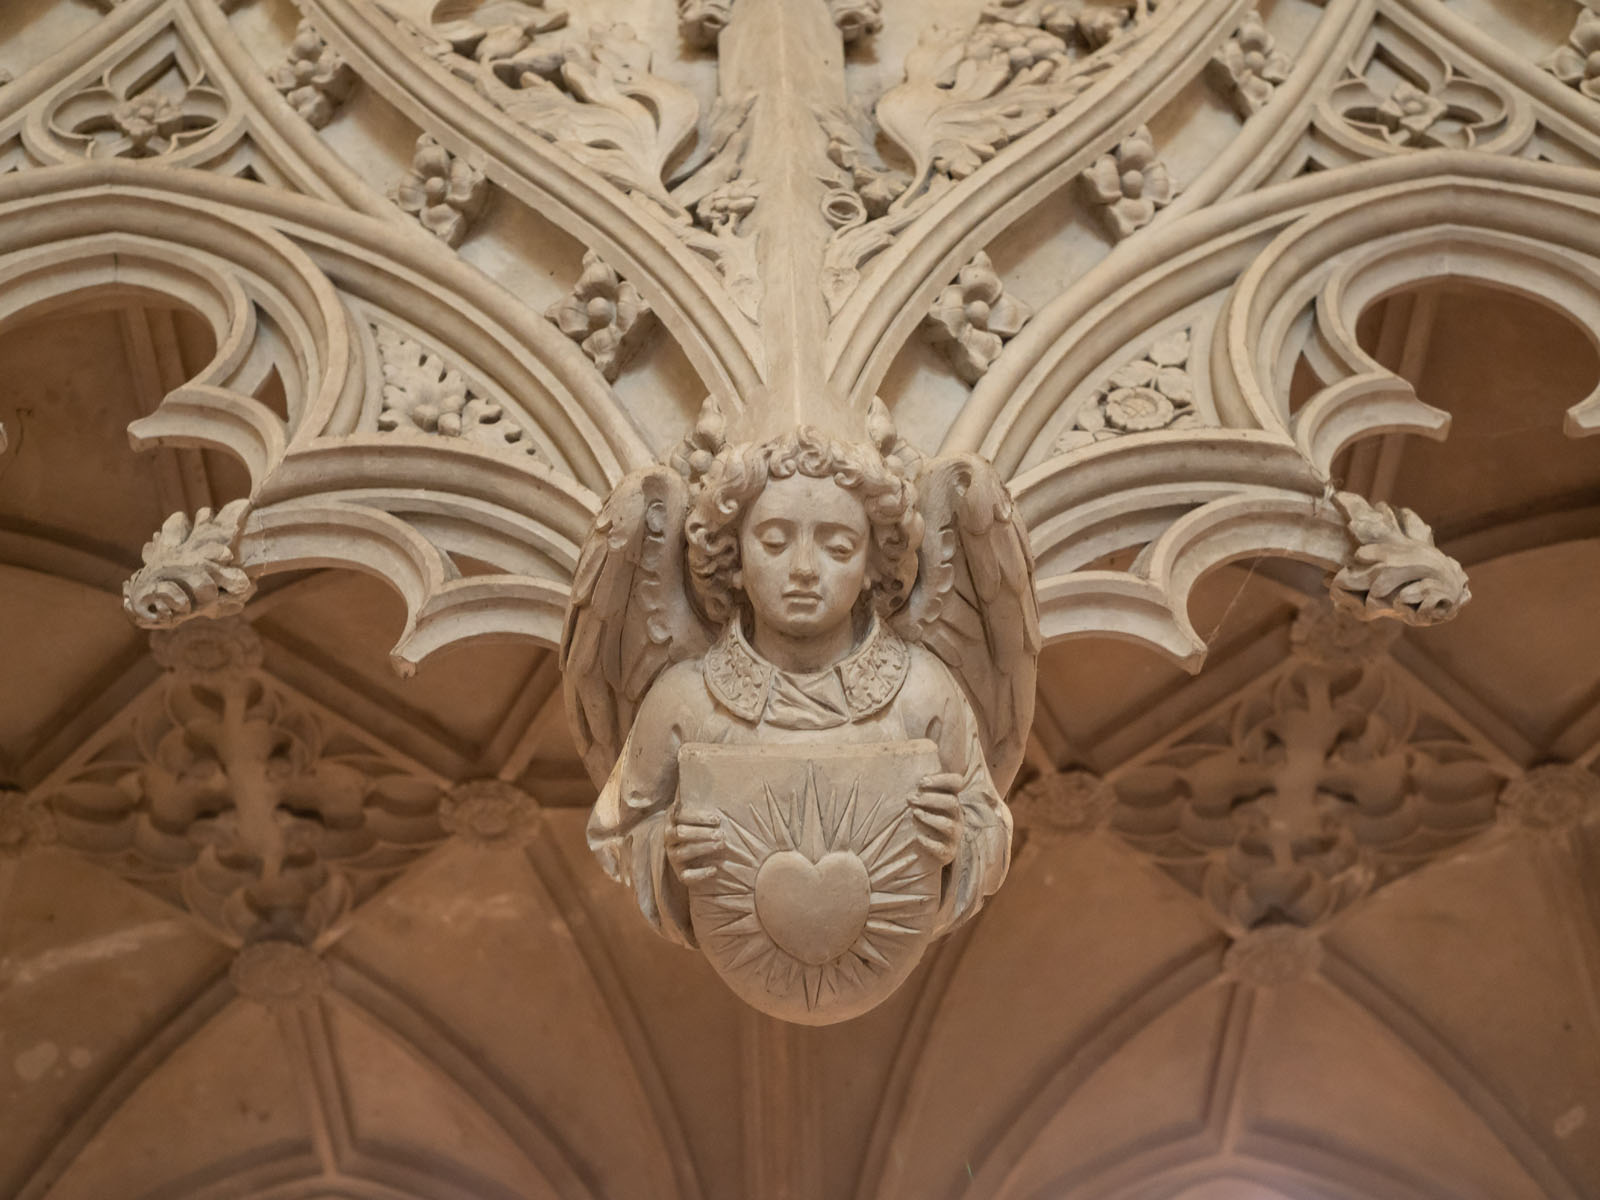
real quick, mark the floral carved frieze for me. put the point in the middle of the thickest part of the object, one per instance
(1249, 66)
(1309, 792)
(423, 393)
(1154, 391)
(190, 569)
(604, 314)
(443, 191)
(229, 796)
(313, 78)
(974, 318)
(1129, 185)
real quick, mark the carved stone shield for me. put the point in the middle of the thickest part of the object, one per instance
(825, 900)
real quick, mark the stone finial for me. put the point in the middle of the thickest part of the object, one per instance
(189, 570)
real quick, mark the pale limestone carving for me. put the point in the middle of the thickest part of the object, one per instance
(278, 973)
(1129, 185)
(1395, 570)
(1555, 796)
(604, 314)
(229, 796)
(190, 569)
(488, 812)
(1155, 391)
(974, 318)
(1577, 64)
(1273, 956)
(128, 118)
(817, 647)
(967, 94)
(1454, 114)
(422, 392)
(314, 79)
(1326, 636)
(701, 21)
(1249, 66)
(444, 192)
(1306, 794)
(1063, 802)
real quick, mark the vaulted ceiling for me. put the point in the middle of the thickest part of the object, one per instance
(1390, 991)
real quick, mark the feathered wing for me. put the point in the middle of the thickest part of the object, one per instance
(630, 616)
(974, 604)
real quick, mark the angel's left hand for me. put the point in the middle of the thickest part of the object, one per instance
(936, 809)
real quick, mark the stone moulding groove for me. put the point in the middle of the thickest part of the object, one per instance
(900, 284)
(685, 293)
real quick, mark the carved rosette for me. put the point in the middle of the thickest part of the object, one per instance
(1063, 802)
(1555, 796)
(444, 192)
(313, 78)
(1129, 185)
(974, 318)
(488, 812)
(1273, 956)
(1249, 67)
(278, 973)
(25, 823)
(604, 314)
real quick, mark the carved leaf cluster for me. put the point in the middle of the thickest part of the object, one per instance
(189, 569)
(1394, 569)
(230, 797)
(1249, 66)
(1129, 185)
(1313, 790)
(973, 319)
(604, 314)
(422, 392)
(1155, 391)
(1577, 64)
(313, 78)
(445, 193)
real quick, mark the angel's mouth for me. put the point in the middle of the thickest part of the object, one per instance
(807, 596)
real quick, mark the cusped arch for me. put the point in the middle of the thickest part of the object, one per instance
(1276, 275)
(285, 283)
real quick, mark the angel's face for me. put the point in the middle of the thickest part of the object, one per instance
(803, 556)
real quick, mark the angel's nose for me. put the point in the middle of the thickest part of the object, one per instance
(804, 562)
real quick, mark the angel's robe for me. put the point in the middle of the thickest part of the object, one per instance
(884, 690)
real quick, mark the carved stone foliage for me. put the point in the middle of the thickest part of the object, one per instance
(25, 823)
(1155, 391)
(808, 812)
(856, 19)
(973, 319)
(604, 314)
(967, 94)
(1395, 570)
(423, 393)
(488, 812)
(445, 193)
(313, 77)
(1308, 793)
(1249, 66)
(231, 797)
(190, 570)
(1577, 64)
(1129, 185)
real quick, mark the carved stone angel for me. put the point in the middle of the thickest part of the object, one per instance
(802, 674)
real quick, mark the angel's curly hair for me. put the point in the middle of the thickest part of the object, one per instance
(739, 475)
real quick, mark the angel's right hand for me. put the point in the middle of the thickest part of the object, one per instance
(695, 846)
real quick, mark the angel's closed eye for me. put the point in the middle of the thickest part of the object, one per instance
(843, 549)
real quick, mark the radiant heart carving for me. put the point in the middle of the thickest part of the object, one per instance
(814, 911)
